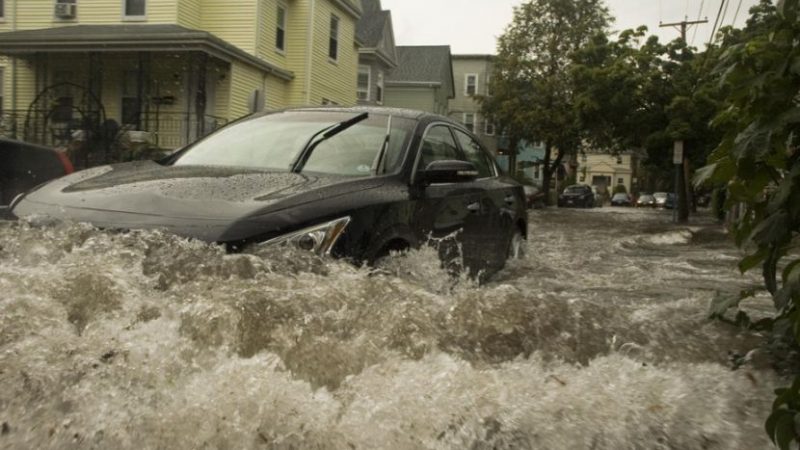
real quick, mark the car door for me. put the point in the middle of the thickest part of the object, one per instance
(450, 213)
(500, 202)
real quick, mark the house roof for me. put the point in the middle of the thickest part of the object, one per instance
(423, 65)
(121, 38)
(352, 7)
(374, 32)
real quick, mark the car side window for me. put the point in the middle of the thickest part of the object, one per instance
(438, 145)
(475, 154)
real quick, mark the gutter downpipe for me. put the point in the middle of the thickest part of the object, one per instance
(310, 50)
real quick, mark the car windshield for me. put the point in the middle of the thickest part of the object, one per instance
(620, 196)
(661, 195)
(575, 190)
(274, 141)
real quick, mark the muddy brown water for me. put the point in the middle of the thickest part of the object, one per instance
(597, 340)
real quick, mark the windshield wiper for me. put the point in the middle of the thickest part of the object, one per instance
(326, 133)
(380, 160)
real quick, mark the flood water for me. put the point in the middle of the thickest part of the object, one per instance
(599, 339)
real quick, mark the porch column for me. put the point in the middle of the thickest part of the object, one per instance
(200, 96)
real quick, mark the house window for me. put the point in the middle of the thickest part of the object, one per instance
(379, 88)
(620, 181)
(489, 128)
(471, 84)
(2, 10)
(619, 159)
(488, 85)
(280, 33)
(333, 43)
(134, 8)
(469, 121)
(130, 98)
(364, 75)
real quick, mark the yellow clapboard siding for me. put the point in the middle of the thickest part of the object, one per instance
(244, 80)
(36, 14)
(277, 93)
(234, 22)
(190, 13)
(335, 81)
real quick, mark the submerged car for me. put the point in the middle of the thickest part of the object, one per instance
(646, 200)
(354, 183)
(578, 195)
(621, 199)
(665, 200)
(25, 165)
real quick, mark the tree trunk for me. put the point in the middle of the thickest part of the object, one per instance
(513, 149)
(546, 174)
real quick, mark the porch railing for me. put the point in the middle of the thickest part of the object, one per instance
(163, 130)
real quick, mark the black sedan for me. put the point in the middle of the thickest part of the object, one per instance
(578, 195)
(354, 183)
(621, 199)
(25, 166)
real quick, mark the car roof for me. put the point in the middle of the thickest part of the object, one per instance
(398, 112)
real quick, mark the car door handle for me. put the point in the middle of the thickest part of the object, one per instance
(510, 200)
(474, 207)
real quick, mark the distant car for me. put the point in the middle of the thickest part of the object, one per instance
(621, 199)
(664, 200)
(578, 195)
(352, 183)
(24, 166)
(534, 197)
(646, 201)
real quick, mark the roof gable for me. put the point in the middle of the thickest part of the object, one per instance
(424, 65)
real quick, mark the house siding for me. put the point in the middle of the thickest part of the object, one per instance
(234, 22)
(335, 81)
(244, 80)
(190, 13)
(462, 103)
(411, 98)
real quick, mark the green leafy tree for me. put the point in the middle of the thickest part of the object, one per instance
(532, 93)
(759, 163)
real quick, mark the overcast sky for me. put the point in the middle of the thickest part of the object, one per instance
(472, 26)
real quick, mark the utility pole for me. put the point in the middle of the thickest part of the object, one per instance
(682, 186)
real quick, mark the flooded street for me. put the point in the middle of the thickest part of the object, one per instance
(599, 339)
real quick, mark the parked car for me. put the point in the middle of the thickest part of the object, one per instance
(621, 199)
(24, 166)
(578, 195)
(534, 196)
(664, 200)
(353, 183)
(646, 201)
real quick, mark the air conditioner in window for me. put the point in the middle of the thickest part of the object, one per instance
(65, 10)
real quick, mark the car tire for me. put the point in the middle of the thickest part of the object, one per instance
(516, 248)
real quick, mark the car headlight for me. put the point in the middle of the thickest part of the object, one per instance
(319, 239)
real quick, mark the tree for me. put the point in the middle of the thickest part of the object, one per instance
(532, 93)
(758, 161)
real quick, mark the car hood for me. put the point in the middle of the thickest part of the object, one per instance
(196, 201)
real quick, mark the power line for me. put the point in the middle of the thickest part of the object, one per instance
(716, 22)
(699, 14)
(737, 13)
(724, 13)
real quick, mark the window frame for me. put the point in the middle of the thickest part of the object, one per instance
(369, 83)
(486, 124)
(466, 84)
(418, 156)
(379, 88)
(492, 163)
(472, 123)
(133, 18)
(333, 39)
(280, 27)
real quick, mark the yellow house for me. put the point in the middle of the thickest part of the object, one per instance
(168, 71)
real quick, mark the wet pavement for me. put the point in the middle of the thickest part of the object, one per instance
(599, 339)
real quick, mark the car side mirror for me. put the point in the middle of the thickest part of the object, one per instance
(448, 171)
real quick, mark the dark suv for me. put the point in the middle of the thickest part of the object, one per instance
(578, 195)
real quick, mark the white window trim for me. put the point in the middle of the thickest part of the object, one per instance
(486, 124)
(466, 84)
(369, 82)
(282, 5)
(464, 121)
(330, 35)
(127, 18)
